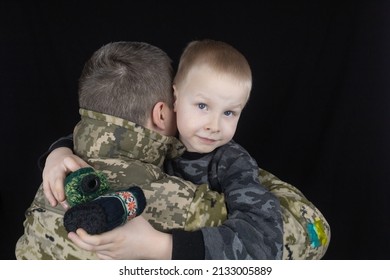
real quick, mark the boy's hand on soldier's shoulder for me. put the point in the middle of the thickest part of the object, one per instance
(59, 163)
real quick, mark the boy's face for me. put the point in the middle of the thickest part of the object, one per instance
(208, 106)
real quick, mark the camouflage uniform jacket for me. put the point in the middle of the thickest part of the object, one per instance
(254, 228)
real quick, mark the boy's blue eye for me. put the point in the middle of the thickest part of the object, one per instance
(228, 113)
(202, 106)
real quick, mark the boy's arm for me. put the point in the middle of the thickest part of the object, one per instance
(254, 227)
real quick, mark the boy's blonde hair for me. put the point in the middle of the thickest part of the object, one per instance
(219, 56)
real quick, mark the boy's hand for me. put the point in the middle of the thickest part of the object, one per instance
(135, 240)
(59, 163)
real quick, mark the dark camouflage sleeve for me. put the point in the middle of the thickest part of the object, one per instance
(254, 228)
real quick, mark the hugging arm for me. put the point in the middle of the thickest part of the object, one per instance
(253, 228)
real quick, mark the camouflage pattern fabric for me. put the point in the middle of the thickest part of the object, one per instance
(45, 237)
(306, 231)
(205, 204)
(254, 226)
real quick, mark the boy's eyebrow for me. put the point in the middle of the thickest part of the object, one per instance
(206, 98)
(238, 105)
(200, 94)
(237, 108)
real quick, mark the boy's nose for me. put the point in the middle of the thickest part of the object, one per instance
(212, 124)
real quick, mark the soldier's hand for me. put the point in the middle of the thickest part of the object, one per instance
(135, 240)
(59, 163)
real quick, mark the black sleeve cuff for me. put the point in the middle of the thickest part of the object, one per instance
(66, 142)
(188, 245)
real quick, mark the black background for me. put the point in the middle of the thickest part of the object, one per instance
(318, 116)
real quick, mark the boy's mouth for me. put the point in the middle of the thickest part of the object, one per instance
(206, 140)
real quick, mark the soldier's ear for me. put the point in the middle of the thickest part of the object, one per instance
(162, 118)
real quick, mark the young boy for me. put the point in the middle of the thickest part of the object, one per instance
(212, 87)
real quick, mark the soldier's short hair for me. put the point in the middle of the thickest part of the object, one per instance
(125, 80)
